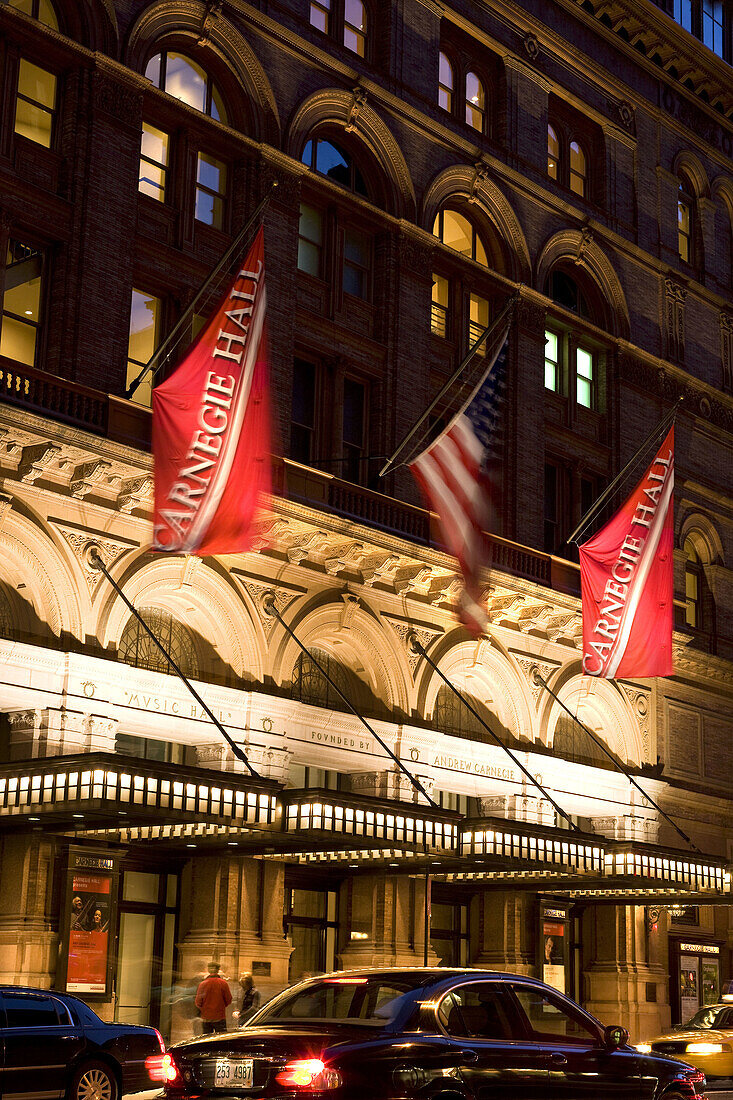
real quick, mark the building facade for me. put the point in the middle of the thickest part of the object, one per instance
(431, 162)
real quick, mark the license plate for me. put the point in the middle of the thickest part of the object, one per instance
(230, 1072)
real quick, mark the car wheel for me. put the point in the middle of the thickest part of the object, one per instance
(94, 1081)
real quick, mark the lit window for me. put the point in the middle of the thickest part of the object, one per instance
(211, 185)
(137, 648)
(475, 102)
(693, 571)
(21, 303)
(35, 104)
(552, 362)
(684, 225)
(353, 430)
(553, 154)
(182, 78)
(154, 161)
(330, 160)
(439, 307)
(355, 26)
(310, 240)
(357, 263)
(577, 168)
(42, 10)
(584, 384)
(445, 83)
(478, 320)
(320, 15)
(457, 232)
(145, 312)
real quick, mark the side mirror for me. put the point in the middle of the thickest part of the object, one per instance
(615, 1036)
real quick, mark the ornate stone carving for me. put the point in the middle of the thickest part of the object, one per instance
(210, 16)
(726, 349)
(137, 492)
(306, 544)
(349, 610)
(640, 705)
(347, 557)
(585, 240)
(358, 102)
(259, 593)
(410, 578)
(84, 544)
(118, 100)
(528, 666)
(6, 504)
(675, 296)
(89, 477)
(36, 460)
(425, 635)
(531, 46)
(378, 567)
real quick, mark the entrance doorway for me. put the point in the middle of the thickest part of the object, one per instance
(145, 957)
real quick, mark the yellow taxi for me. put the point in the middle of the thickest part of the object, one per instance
(705, 1041)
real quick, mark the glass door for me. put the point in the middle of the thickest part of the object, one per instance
(145, 958)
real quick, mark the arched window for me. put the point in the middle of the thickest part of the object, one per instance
(572, 743)
(578, 169)
(685, 206)
(42, 10)
(445, 83)
(330, 160)
(355, 26)
(184, 79)
(693, 578)
(553, 154)
(309, 685)
(137, 648)
(475, 102)
(457, 232)
(452, 717)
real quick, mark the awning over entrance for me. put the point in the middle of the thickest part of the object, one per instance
(108, 797)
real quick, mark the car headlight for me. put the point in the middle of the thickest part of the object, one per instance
(644, 1048)
(705, 1048)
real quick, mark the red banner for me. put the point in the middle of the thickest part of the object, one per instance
(627, 581)
(211, 426)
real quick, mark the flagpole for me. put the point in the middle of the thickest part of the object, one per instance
(483, 336)
(96, 561)
(153, 364)
(658, 431)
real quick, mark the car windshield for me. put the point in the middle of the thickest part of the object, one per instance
(371, 1001)
(711, 1018)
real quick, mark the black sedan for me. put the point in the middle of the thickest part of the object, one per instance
(53, 1046)
(421, 1033)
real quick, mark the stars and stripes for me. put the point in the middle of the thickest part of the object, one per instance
(453, 474)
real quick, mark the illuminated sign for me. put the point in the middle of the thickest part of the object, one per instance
(701, 948)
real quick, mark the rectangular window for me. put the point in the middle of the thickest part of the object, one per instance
(35, 103)
(21, 319)
(584, 380)
(303, 413)
(684, 230)
(439, 307)
(320, 14)
(354, 28)
(357, 263)
(684, 14)
(310, 240)
(353, 429)
(145, 313)
(211, 186)
(552, 361)
(692, 599)
(478, 320)
(154, 162)
(713, 25)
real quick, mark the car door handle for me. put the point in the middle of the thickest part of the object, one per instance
(558, 1060)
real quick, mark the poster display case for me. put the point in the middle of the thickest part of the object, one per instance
(89, 920)
(553, 941)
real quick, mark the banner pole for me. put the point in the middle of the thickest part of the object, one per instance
(658, 430)
(153, 364)
(619, 767)
(419, 648)
(270, 609)
(96, 561)
(482, 337)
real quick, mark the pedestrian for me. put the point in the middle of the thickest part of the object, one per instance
(248, 999)
(212, 998)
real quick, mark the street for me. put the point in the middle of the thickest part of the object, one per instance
(724, 1093)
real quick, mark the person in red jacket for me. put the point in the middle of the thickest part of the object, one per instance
(212, 997)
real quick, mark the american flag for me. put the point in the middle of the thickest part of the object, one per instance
(452, 472)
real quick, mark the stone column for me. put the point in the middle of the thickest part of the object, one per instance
(502, 931)
(232, 913)
(618, 968)
(386, 914)
(52, 731)
(28, 934)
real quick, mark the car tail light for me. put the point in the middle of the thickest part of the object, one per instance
(697, 1079)
(309, 1074)
(161, 1067)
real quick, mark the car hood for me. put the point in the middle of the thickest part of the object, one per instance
(694, 1035)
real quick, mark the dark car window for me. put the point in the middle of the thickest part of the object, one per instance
(710, 1017)
(63, 1013)
(362, 1000)
(25, 1010)
(480, 1011)
(553, 1019)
